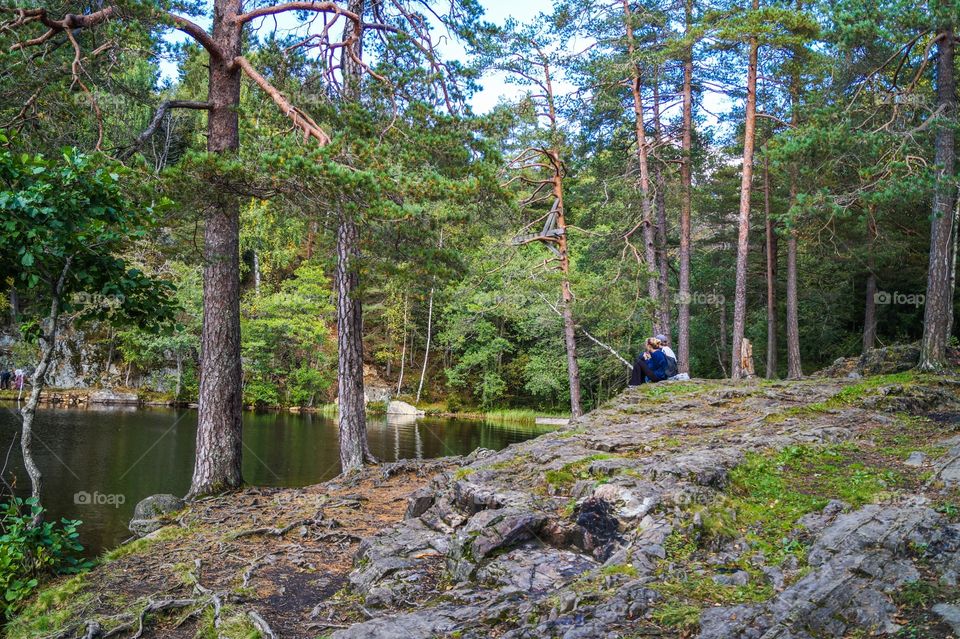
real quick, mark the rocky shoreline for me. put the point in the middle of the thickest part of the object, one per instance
(819, 508)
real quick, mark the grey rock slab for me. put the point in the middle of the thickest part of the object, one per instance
(535, 570)
(422, 624)
(738, 578)
(950, 614)
(916, 458)
(419, 501)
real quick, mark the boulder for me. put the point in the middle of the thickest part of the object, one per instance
(876, 361)
(403, 408)
(149, 514)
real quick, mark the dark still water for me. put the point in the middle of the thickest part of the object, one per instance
(97, 463)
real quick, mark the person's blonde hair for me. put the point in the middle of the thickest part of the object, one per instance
(654, 342)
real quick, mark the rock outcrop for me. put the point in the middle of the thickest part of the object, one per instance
(638, 517)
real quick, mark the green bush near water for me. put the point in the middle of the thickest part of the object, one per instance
(28, 554)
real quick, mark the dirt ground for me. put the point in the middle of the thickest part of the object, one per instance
(280, 556)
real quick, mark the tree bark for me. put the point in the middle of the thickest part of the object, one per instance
(746, 186)
(219, 429)
(953, 263)
(936, 317)
(723, 337)
(870, 301)
(771, 275)
(566, 293)
(646, 205)
(794, 365)
(660, 201)
(354, 451)
(686, 202)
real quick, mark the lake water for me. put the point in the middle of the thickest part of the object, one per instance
(97, 463)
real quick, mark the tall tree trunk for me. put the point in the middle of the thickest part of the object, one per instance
(723, 337)
(936, 317)
(953, 264)
(794, 365)
(686, 202)
(563, 250)
(646, 205)
(771, 274)
(48, 343)
(870, 302)
(746, 186)
(569, 326)
(219, 427)
(660, 201)
(354, 450)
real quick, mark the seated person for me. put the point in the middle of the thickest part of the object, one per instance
(651, 365)
(672, 368)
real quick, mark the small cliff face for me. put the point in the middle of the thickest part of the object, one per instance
(820, 508)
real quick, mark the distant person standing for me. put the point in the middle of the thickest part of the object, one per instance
(4, 379)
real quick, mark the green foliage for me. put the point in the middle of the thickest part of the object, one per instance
(286, 343)
(66, 219)
(30, 554)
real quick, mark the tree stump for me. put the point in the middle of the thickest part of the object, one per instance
(746, 359)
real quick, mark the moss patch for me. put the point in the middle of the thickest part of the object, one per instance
(51, 609)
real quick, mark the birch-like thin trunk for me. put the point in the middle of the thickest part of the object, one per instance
(426, 352)
(256, 272)
(29, 410)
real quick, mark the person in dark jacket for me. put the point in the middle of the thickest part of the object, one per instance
(651, 365)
